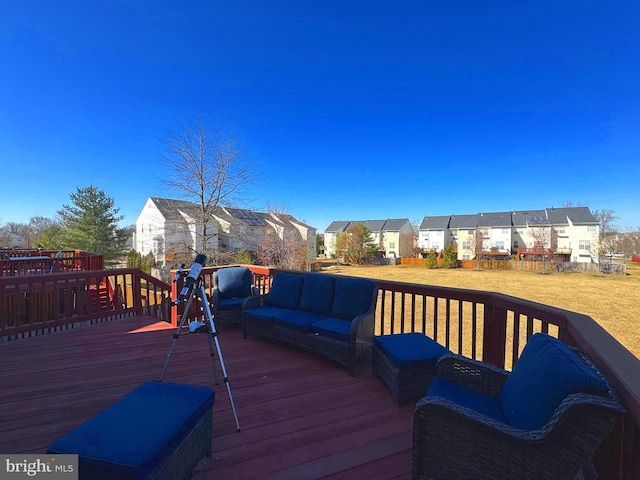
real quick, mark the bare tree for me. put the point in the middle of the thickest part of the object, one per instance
(208, 167)
(475, 244)
(542, 237)
(606, 219)
(283, 245)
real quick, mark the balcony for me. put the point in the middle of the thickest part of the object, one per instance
(300, 415)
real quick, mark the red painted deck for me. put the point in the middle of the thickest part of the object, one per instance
(301, 416)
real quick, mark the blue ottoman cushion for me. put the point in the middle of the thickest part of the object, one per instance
(410, 350)
(129, 439)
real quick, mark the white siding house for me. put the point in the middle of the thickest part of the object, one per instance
(166, 227)
(394, 237)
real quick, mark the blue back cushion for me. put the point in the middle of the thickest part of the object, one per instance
(546, 373)
(352, 297)
(285, 290)
(234, 282)
(317, 293)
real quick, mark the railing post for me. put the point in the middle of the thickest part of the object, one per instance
(495, 335)
(176, 287)
(137, 294)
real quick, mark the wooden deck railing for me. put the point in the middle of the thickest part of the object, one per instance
(487, 326)
(36, 304)
(31, 262)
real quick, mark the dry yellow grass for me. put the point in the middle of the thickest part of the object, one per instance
(611, 300)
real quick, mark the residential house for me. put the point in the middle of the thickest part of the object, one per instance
(166, 227)
(462, 230)
(394, 237)
(433, 233)
(577, 233)
(496, 229)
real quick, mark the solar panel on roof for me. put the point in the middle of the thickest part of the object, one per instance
(537, 220)
(250, 218)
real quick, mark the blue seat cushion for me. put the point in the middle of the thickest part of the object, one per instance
(234, 282)
(263, 313)
(317, 293)
(410, 350)
(334, 328)
(352, 297)
(466, 397)
(546, 373)
(285, 290)
(226, 304)
(297, 319)
(133, 436)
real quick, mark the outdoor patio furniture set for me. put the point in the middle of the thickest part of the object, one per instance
(471, 421)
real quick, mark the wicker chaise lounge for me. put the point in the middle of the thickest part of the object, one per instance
(544, 420)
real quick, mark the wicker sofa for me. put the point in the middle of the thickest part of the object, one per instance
(542, 420)
(333, 316)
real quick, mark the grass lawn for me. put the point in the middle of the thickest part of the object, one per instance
(611, 300)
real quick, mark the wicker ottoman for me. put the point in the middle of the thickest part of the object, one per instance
(158, 431)
(406, 363)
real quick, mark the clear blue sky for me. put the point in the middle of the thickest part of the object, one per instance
(354, 110)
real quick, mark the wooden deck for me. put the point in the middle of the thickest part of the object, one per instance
(301, 416)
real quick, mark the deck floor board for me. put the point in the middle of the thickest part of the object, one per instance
(301, 416)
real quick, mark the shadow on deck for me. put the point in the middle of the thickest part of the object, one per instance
(301, 416)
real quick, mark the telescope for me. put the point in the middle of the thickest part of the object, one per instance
(193, 288)
(192, 277)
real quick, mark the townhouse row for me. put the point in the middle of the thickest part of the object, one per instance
(566, 234)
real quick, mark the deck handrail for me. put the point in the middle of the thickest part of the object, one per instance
(32, 262)
(32, 304)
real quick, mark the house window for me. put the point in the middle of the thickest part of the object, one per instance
(466, 245)
(469, 232)
(561, 231)
(500, 245)
(392, 244)
(505, 231)
(435, 245)
(142, 227)
(591, 228)
(584, 245)
(466, 257)
(515, 244)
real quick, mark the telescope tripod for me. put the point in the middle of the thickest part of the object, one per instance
(200, 327)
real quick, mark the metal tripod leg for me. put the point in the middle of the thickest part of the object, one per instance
(176, 335)
(214, 334)
(212, 353)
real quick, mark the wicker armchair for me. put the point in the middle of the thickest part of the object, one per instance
(231, 286)
(468, 427)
